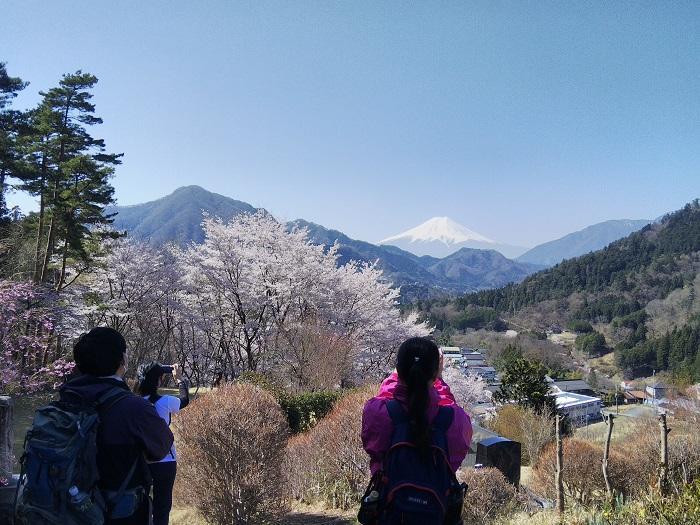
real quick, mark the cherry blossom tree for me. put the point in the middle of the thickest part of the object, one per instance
(469, 389)
(133, 290)
(29, 359)
(260, 291)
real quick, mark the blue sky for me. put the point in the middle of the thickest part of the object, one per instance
(522, 120)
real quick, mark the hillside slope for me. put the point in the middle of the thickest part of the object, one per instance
(176, 217)
(624, 290)
(581, 242)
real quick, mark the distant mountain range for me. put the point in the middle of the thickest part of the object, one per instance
(419, 277)
(581, 242)
(442, 236)
(177, 218)
(465, 266)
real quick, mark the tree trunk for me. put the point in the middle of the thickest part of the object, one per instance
(6, 436)
(62, 278)
(558, 478)
(606, 456)
(50, 238)
(39, 234)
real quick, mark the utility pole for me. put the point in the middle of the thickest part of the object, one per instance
(663, 467)
(606, 455)
(558, 477)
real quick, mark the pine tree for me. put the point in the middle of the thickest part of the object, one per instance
(70, 173)
(523, 381)
(10, 122)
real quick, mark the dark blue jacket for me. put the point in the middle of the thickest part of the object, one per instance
(129, 430)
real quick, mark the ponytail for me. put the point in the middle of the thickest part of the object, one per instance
(417, 364)
(417, 383)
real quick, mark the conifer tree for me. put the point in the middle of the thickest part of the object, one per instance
(70, 173)
(9, 125)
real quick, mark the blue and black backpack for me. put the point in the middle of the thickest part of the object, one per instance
(59, 457)
(413, 489)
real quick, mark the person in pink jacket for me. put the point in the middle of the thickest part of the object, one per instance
(417, 385)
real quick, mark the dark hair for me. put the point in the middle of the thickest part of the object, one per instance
(149, 377)
(99, 352)
(417, 363)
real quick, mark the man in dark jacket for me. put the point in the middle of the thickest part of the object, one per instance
(131, 431)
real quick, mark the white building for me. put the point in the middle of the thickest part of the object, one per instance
(453, 354)
(580, 409)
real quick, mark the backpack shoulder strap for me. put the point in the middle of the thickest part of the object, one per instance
(111, 397)
(396, 412)
(444, 418)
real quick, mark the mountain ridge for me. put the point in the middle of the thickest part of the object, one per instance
(176, 218)
(586, 240)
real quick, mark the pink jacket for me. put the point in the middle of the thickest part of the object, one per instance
(377, 427)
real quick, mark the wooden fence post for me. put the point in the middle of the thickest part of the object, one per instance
(558, 478)
(606, 455)
(663, 467)
(6, 436)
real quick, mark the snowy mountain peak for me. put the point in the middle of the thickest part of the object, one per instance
(439, 229)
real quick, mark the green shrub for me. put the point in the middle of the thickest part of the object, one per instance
(327, 464)
(302, 410)
(305, 410)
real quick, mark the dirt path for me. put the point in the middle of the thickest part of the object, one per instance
(315, 518)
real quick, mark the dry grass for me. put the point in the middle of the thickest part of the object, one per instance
(300, 515)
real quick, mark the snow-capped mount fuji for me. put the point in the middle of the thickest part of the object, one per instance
(442, 236)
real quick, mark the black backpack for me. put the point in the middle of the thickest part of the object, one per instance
(412, 490)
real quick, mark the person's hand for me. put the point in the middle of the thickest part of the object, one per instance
(176, 372)
(441, 366)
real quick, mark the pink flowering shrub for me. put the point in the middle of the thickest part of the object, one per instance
(28, 359)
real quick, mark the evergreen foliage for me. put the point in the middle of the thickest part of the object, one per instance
(49, 153)
(610, 269)
(523, 382)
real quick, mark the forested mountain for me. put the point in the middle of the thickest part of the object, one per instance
(176, 217)
(634, 290)
(581, 242)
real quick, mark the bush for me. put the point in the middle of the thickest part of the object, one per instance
(643, 454)
(305, 410)
(231, 444)
(302, 410)
(681, 509)
(489, 496)
(583, 473)
(328, 464)
(532, 429)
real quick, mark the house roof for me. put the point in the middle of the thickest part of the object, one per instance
(569, 399)
(572, 386)
(636, 394)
